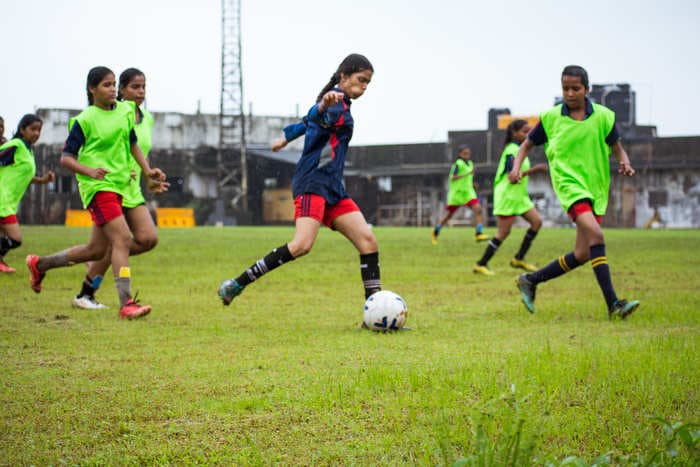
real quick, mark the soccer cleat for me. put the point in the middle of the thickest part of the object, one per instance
(229, 289)
(132, 309)
(434, 237)
(35, 276)
(519, 263)
(87, 303)
(527, 292)
(4, 267)
(481, 237)
(623, 308)
(483, 270)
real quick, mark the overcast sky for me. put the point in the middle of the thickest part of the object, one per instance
(439, 65)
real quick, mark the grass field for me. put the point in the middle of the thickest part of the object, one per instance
(285, 375)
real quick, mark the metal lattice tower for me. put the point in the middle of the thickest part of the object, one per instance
(232, 171)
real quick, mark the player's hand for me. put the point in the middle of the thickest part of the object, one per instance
(48, 177)
(156, 174)
(626, 169)
(330, 98)
(278, 144)
(514, 176)
(98, 173)
(157, 186)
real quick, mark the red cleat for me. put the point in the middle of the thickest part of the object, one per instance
(35, 276)
(133, 310)
(4, 267)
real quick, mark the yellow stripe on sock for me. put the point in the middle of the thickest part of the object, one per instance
(599, 261)
(124, 271)
(562, 263)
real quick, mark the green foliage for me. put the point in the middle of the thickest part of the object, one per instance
(285, 375)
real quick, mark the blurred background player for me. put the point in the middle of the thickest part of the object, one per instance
(461, 193)
(17, 171)
(3, 140)
(512, 200)
(578, 136)
(98, 148)
(319, 194)
(132, 87)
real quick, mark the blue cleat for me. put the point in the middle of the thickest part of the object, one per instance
(623, 308)
(229, 289)
(527, 292)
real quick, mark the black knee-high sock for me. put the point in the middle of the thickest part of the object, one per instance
(274, 259)
(556, 268)
(599, 262)
(369, 269)
(90, 286)
(491, 248)
(7, 244)
(525, 245)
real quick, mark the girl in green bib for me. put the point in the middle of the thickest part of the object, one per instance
(132, 87)
(17, 171)
(578, 136)
(98, 149)
(512, 200)
(461, 193)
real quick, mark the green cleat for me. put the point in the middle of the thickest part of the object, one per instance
(623, 308)
(527, 292)
(229, 289)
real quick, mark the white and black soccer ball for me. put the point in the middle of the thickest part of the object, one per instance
(385, 311)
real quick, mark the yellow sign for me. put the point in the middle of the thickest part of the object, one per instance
(505, 119)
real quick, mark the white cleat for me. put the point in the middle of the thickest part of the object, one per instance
(87, 303)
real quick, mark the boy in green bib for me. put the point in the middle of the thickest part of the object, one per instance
(17, 171)
(461, 193)
(512, 200)
(578, 136)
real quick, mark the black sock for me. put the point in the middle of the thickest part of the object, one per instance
(599, 262)
(556, 268)
(7, 244)
(274, 259)
(87, 289)
(525, 245)
(369, 269)
(491, 248)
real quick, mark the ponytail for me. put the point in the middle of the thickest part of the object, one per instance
(350, 64)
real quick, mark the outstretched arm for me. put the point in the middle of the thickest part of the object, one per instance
(515, 175)
(48, 177)
(623, 159)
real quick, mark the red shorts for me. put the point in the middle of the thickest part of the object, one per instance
(579, 207)
(507, 218)
(451, 208)
(11, 219)
(104, 207)
(315, 206)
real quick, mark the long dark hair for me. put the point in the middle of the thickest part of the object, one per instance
(514, 126)
(94, 77)
(24, 122)
(350, 64)
(125, 78)
(575, 70)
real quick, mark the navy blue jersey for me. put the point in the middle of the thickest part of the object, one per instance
(320, 167)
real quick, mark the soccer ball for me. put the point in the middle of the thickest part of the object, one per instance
(385, 311)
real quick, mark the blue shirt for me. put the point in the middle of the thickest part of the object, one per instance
(538, 136)
(327, 136)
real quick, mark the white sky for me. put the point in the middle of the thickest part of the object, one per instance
(439, 65)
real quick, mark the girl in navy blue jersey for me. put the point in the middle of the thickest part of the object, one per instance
(319, 194)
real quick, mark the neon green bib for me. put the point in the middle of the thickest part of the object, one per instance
(578, 156)
(107, 145)
(461, 190)
(510, 199)
(16, 177)
(144, 129)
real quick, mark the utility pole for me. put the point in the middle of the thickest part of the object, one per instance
(232, 175)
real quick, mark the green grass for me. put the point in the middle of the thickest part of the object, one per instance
(286, 376)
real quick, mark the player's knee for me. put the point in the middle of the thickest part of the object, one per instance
(368, 243)
(147, 242)
(536, 224)
(300, 248)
